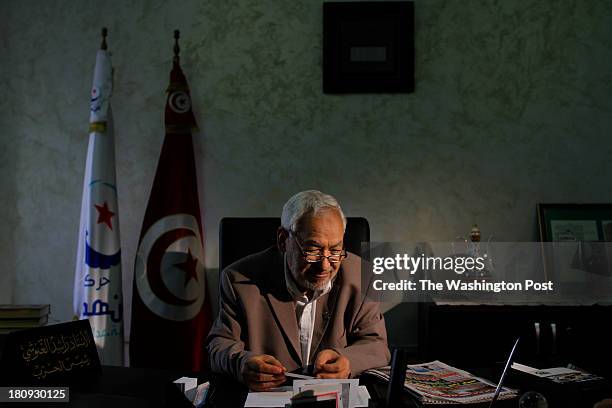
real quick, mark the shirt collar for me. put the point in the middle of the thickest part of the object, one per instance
(295, 292)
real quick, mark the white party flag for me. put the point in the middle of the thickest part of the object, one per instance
(97, 283)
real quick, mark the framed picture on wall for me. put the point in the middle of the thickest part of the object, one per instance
(573, 237)
(368, 47)
(575, 222)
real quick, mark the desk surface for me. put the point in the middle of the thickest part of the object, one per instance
(120, 387)
(227, 392)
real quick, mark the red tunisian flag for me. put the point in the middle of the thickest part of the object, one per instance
(170, 310)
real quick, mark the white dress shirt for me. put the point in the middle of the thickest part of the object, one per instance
(305, 312)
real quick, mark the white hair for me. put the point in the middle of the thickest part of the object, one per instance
(307, 202)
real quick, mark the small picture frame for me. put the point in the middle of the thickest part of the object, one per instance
(573, 238)
(368, 47)
(575, 222)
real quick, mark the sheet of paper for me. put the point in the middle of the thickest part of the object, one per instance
(554, 371)
(524, 368)
(332, 390)
(278, 397)
(299, 376)
(362, 397)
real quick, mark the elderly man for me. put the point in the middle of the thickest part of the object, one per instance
(297, 304)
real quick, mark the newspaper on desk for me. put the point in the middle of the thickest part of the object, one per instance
(439, 383)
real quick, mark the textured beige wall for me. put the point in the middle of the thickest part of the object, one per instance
(513, 106)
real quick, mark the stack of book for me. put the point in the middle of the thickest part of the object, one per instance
(19, 317)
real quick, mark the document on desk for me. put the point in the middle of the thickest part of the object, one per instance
(299, 376)
(559, 375)
(349, 389)
(277, 397)
(363, 396)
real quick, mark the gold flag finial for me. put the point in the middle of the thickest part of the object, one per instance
(177, 49)
(103, 46)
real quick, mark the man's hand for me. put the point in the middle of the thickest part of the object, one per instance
(330, 364)
(263, 372)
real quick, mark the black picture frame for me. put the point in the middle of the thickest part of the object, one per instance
(599, 215)
(368, 47)
(584, 224)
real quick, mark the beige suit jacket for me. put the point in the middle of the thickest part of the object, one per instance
(257, 316)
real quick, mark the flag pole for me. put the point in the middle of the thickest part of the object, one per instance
(177, 49)
(103, 46)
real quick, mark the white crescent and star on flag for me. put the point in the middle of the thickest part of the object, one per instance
(169, 270)
(103, 249)
(179, 102)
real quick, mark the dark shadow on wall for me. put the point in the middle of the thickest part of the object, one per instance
(9, 215)
(9, 159)
(402, 325)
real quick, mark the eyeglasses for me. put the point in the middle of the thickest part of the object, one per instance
(317, 256)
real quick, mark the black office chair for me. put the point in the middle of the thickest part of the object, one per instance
(239, 237)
